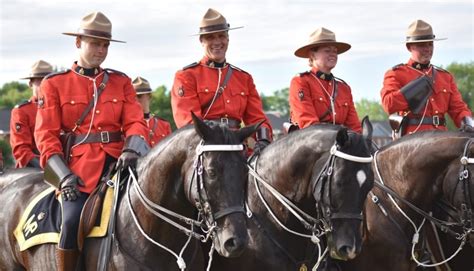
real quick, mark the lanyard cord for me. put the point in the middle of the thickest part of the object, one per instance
(331, 97)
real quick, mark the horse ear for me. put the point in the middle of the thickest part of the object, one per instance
(342, 137)
(367, 128)
(248, 131)
(201, 128)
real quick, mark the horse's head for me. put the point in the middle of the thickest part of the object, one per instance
(341, 190)
(216, 184)
(458, 189)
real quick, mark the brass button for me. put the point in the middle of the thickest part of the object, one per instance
(226, 115)
(206, 90)
(444, 90)
(320, 98)
(99, 128)
(228, 101)
(73, 102)
(114, 100)
(153, 142)
(97, 111)
(432, 99)
(242, 93)
(436, 111)
(345, 104)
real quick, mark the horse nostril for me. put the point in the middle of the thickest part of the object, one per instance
(348, 252)
(234, 246)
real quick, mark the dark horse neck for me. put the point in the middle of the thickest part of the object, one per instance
(160, 178)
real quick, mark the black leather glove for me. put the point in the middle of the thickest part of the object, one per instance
(68, 186)
(467, 125)
(260, 145)
(127, 159)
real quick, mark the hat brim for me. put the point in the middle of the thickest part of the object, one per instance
(218, 30)
(303, 52)
(91, 36)
(425, 40)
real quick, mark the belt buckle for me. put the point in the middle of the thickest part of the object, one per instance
(436, 121)
(225, 121)
(104, 137)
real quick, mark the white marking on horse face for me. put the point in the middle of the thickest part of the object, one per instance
(361, 177)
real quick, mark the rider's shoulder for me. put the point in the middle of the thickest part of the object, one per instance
(51, 75)
(112, 71)
(398, 66)
(440, 69)
(192, 65)
(237, 68)
(23, 103)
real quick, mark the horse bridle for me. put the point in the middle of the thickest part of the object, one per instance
(325, 177)
(202, 202)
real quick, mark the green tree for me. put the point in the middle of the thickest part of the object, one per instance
(6, 150)
(464, 76)
(13, 93)
(373, 109)
(277, 102)
(161, 104)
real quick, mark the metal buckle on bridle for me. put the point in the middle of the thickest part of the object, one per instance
(225, 121)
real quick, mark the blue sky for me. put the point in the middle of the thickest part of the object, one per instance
(159, 41)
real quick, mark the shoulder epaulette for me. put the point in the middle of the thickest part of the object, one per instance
(56, 73)
(303, 73)
(115, 71)
(440, 69)
(190, 65)
(237, 68)
(397, 66)
(22, 103)
(340, 80)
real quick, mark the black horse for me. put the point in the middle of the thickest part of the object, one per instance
(193, 173)
(412, 174)
(325, 172)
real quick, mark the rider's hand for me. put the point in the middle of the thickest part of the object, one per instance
(126, 159)
(68, 186)
(467, 125)
(260, 145)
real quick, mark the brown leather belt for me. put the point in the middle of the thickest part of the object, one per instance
(231, 123)
(102, 137)
(435, 121)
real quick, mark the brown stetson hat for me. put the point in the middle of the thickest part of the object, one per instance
(141, 85)
(320, 37)
(95, 25)
(213, 22)
(39, 69)
(420, 31)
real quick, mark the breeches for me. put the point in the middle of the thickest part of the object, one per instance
(71, 217)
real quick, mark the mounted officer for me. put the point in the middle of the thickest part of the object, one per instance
(214, 89)
(419, 94)
(23, 118)
(158, 128)
(317, 96)
(101, 121)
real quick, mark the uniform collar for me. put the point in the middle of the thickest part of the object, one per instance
(322, 75)
(418, 66)
(92, 72)
(212, 64)
(146, 115)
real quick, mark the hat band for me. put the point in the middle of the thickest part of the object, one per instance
(416, 38)
(39, 74)
(95, 33)
(213, 28)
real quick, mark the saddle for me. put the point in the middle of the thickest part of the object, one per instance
(40, 223)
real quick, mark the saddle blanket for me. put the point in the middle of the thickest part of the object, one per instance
(40, 223)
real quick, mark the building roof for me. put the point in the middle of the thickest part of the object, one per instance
(276, 121)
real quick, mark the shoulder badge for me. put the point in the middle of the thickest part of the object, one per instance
(300, 94)
(17, 127)
(237, 68)
(56, 73)
(190, 65)
(116, 72)
(397, 66)
(22, 103)
(440, 69)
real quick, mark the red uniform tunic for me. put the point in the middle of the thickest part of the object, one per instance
(310, 102)
(157, 130)
(22, 127)
(65, 97)
(446, 97)
(195, 86)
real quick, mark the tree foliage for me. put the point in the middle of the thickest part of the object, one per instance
(13, 93)
(464, 76)
(277, 102)
(161, 104)
(370, 108)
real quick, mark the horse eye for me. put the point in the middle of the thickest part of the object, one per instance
(211, 172)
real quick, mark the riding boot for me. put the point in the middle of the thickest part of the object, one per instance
(66, 259)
